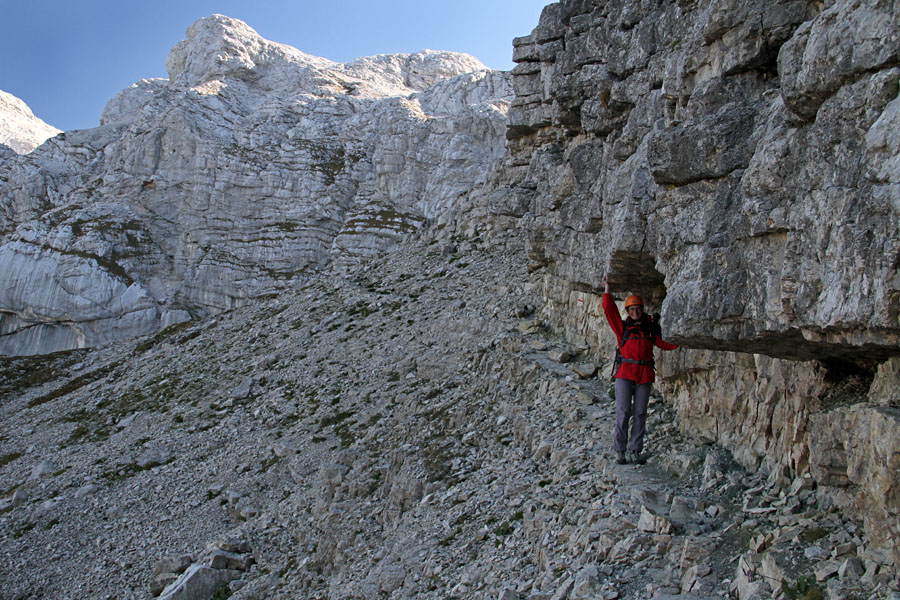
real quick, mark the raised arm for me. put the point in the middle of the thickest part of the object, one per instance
(611, 311)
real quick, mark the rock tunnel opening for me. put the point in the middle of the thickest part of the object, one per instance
(847, 382)
(635, 273)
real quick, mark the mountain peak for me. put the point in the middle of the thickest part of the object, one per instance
(219, 48)
(19, 128)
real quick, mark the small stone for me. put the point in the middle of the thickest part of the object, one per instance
(243, 391)
(587, 584)
(282, 450)
(531, 326)
(267, 361)
(230, 560)
(45, 467)
(653, 523)
(246, 509)
(197, 582)
(852, 568)
(815, 552)
(563, 590)
(235, 544)
(173, 564)
(542, 452)
(153, 455)
(391, 578)
(585, 370)
(683, 510)
(801, 484)
(86, 490)
(127, 421)
(842, 549)
(761, 542)
(560, 356)
(585, 398)
(161, 582)
(827, 570)
(19, 497)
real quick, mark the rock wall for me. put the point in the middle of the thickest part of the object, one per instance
(251, 167)
(733, 163)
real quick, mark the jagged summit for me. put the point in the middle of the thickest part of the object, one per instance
(19, 128)
(218, 48)
(226, 58)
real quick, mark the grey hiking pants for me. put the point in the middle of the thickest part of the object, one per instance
(631, 400)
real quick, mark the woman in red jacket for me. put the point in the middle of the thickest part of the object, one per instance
(636, 337)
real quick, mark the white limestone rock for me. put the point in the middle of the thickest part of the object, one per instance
(130, 102)
(19, 128)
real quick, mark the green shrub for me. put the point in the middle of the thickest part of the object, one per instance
(804, 588)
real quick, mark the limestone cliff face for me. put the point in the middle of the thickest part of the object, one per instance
(737, 164)
(253, 165)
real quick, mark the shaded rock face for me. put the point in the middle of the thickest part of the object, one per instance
(732, 162)
(252, 166)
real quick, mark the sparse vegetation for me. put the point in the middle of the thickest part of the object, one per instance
(22, 529)
(8, 458)
(124, 471)
(503, 529)
(804, 588)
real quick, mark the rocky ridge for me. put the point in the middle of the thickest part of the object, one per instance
(20, 130)
(250, 168)
(407, 431)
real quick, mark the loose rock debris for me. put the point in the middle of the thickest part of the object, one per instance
(386, 434)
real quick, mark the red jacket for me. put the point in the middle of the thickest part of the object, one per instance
(635, 348)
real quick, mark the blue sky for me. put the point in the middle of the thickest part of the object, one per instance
(67, 58)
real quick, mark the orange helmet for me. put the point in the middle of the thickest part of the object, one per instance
(633, 301)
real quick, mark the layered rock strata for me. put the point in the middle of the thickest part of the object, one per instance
(252, 166)
(732, 162)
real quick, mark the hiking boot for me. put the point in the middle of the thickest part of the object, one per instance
(635, 458)
(621, 458)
